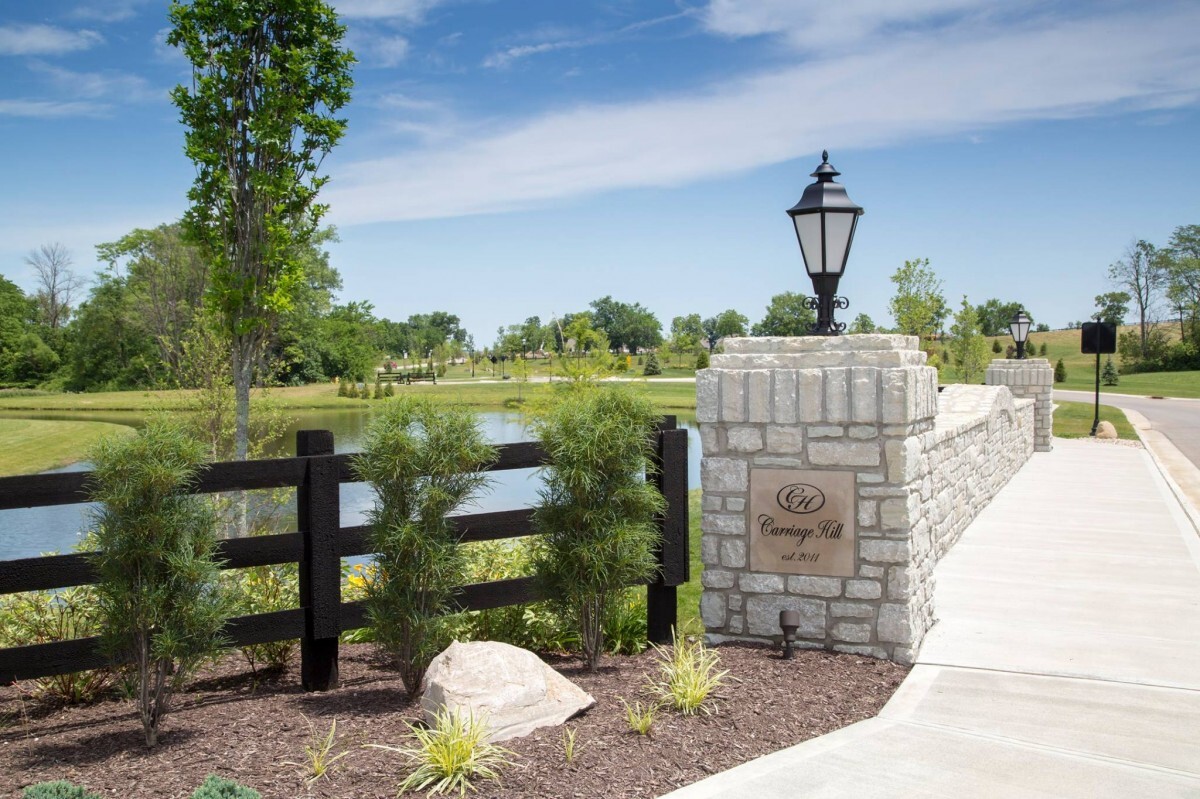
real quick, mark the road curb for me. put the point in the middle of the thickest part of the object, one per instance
(1161, 449)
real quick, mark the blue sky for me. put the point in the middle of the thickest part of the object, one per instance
(506, 159)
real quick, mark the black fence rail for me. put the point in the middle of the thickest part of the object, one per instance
(318, 545)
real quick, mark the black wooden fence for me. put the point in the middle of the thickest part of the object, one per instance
(318, 546)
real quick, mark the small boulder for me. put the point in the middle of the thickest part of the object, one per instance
(1106, 430)
(511, 688)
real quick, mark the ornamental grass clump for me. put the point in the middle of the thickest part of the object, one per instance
(450, 753)
(423, 459)
(596, 509)
(687, 675)
(160, 604)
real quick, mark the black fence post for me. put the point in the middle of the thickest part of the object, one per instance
(318, 520)
(672, 554)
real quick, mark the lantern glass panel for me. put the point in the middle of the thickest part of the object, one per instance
(838, 229)
(808, 230)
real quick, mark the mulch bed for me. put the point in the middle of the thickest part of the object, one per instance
(232, 725)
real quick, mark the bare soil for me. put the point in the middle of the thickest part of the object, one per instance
(231, 723)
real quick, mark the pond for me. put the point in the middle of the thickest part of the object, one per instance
(29, 532)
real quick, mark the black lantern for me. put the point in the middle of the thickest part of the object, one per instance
(825, 219)
(1019, 327)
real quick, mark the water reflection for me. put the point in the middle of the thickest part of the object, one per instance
(29, 532)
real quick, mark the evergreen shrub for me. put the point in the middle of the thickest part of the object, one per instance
(220, 788)
(423, 460)
(161, 606)
(596, 511)
(1060, 371)
(1109, 376)
(652, 367)
(59, 789)
(702, 359)
(996, 348)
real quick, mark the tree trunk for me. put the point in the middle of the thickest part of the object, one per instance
(243, 376)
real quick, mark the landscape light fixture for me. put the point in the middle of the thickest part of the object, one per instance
(1019, 327)
(825, 219)
(789, 622)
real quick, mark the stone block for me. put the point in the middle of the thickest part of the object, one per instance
(867, 512)
(708, 440)
(898, 585)
(707, 395)
(893, 514)
(894, 624)
(854, 633)
(903, 460)
(733, 553)
(762, 615)
(724, 474)
(866, 651)
(814, 586)
(710, 550)
(785, 440)
(712, 578)
(811, 393)
(712, 609)
(735, 504)
(826, 431)
(864, 394)
(761, 583)
(837, 395)
(733, 396)
(852, 610)
(735, 601)
(843, 453)
(710, 502)
(736, 624)
(785, 408)
(876, 551)
(723, 523)
(863, 589)
(758, 396)
(871, 572)
(744, 439)
(862, 432)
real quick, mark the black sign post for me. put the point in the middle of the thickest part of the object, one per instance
(1100, 338)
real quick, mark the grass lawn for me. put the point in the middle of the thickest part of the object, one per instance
(1074, 420)
(27, 447)
(687, 606)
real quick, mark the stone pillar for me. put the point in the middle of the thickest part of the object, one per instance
(1032, 378)
(812, 481)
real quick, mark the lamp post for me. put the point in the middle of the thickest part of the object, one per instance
(1019, 328)
(825, 219)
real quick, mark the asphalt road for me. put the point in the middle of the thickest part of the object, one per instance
(1177, 419)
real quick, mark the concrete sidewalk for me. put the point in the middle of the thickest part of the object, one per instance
(1065, 662)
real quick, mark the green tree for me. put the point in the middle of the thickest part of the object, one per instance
(686, 332)
(24, 356)
(1109, 376)
(1183, 280)
(995, 316)
(267, 81)
(727, 323)
(1112, 306)
(918, 307)
(631, 327)
(423, 460)
(967, 344)
(596, 511)
(787, 314)
(1060, 371)
(652, 367)
(1141, 274)
(996, 348)
(862, 324)
(155, 560)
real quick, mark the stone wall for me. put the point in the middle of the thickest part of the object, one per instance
(865, 405)
(1031, 378)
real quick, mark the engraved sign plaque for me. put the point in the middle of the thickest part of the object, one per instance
(802, 522)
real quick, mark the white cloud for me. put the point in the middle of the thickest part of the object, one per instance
(108, 10)
(506, 57)
(412, 11)
(378, 49)
(904, 89)
(51, 109)
(109, 84)
(44, 40)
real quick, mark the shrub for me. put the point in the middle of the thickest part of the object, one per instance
(39, 617)
(596, 512)
(423, 460)
(1109, 375)
(157, 573)
(625, 622)
(1042, 350)
(219, 788)
(1060, 371)
(264, 589)
(321, 753)
(366, 392)
(621, 364)
(640, 719)
(450, 753)
(702, 359)
(652, 367)
(59, 789)
(389, 390)
(378, 390)
(996, 348)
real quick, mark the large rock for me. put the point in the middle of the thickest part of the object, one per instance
(1106, 430)
(508, 686)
